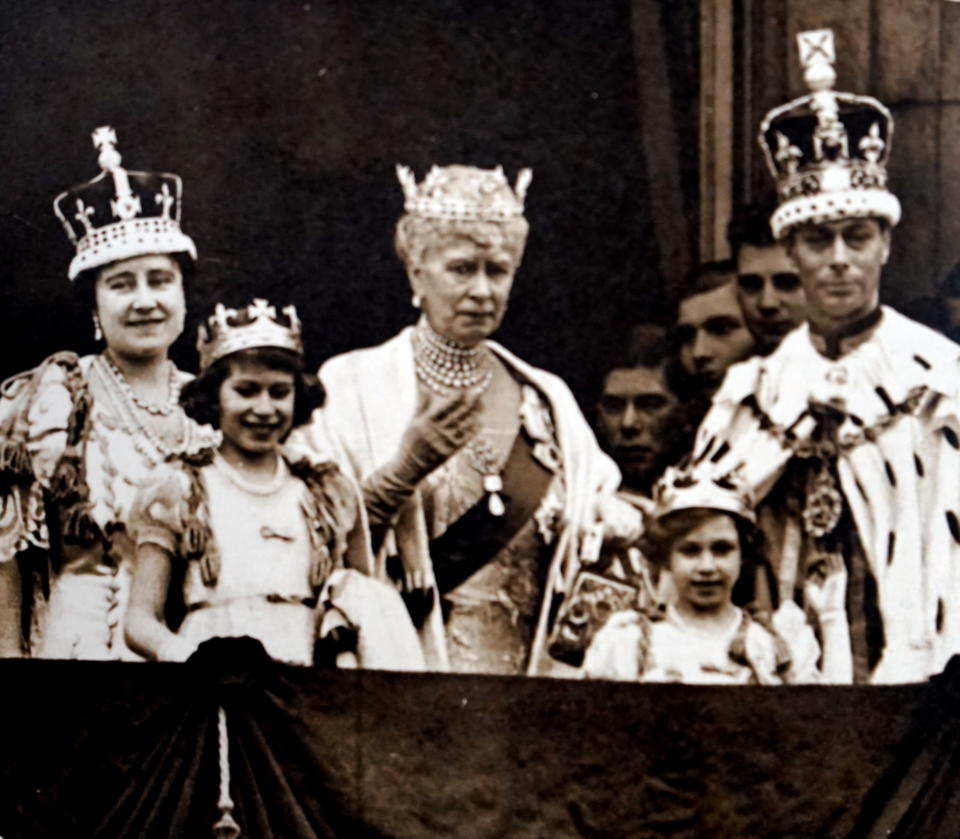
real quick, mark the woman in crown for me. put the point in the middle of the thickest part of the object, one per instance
(254, 539)
(703, 531)
(78, 436)
(479, 471)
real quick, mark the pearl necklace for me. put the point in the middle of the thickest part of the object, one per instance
(444, 365)
(173, 389)
(242, 482)
(138, 431)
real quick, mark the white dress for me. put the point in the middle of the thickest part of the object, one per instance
(267, 581)
(631, 647)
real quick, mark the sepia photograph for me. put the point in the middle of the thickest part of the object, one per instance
(461, 418)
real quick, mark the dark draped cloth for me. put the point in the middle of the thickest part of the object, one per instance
(96, 749)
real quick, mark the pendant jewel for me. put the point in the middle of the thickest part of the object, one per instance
(492, 485)
(484, 460)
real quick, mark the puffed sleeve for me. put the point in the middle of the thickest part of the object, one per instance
(620, 649)
(792, 626)
(333, 506)
(43, 415)
(161, 509)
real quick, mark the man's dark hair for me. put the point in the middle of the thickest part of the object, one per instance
(647, 345)
(706, 277)
(200, 398)
(750, 225)
(644, 344)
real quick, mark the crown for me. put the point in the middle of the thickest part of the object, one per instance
(827, 150)
(121, 214)
(683, 489)
(257, 325)
(464, 193)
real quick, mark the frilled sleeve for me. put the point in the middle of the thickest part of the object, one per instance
(44, 421)
(333, 507)
(161, 510)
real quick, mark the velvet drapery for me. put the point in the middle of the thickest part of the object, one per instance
(123, 750)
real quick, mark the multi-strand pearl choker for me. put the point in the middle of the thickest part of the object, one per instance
(444, 365)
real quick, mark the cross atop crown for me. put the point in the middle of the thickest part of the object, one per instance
(827, 150)
(256, 325)
(121, 214)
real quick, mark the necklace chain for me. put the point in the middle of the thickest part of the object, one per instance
(239, 480)
(173, 389)
(137, 429)
(444, 365)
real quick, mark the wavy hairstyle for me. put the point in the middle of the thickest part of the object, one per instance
(415, 235)
(662, 534)
(200, 397)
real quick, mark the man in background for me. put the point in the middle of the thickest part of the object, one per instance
(637, 410)
(711, 332)
(768, 285)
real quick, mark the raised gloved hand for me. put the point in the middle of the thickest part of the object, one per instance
(441, 426)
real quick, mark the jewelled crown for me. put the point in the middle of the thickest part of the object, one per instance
(827, 150)
(683, 489)
(464, 193)
(121, 214)
(257, 325)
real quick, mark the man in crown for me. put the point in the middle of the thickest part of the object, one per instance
(850, 429)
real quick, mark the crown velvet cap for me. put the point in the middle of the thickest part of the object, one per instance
(827, 151)
(464, 193)
(121, 214)
(683, 489)
(257, 325)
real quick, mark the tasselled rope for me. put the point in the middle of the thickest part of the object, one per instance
(225, 827)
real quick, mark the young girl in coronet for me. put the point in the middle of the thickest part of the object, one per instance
(255, 535)
(702, 530)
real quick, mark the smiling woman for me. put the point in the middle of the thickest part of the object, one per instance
(79, 435)
(140, 305)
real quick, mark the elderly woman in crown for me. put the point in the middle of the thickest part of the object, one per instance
(80, 435)
(479, 472)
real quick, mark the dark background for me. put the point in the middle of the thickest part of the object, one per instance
(285, 121)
